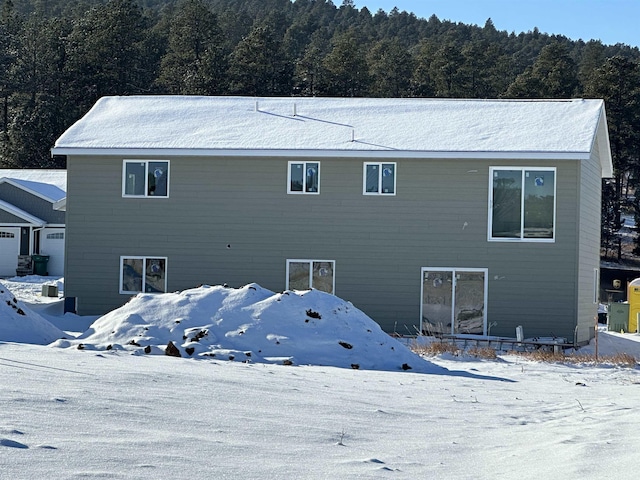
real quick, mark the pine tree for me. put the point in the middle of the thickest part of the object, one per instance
(346, 67)
(195, 62)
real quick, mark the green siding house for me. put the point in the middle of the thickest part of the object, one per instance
(462, 217)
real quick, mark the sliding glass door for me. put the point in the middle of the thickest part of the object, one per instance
(453, 301)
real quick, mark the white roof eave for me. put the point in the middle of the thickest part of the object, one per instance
(188, 152)
(27, 217)
(604, 151)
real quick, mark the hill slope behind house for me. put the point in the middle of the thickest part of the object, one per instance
(20, 324)
(251, 324)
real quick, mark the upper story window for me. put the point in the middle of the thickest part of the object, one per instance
(145, 178)
(143, 274)
(304, 177)
(522, 204)
(379, 178)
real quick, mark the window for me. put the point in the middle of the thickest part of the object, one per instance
(522, 204)
(143, 274)
(379, 179)
(304, 177)
(7, 235)
(55, 236)
(307, 274)
(453, 301)
(145, 178)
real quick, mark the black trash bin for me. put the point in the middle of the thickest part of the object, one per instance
(40, 264)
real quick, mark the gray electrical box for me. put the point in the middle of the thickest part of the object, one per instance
(49, 291)
(618, 317)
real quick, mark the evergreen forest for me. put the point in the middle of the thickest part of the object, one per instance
(57, 57)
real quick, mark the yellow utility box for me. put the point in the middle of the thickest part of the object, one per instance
(633, 297)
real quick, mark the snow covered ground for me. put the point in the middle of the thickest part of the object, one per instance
(121, 413)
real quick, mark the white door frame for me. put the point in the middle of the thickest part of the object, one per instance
(453, 271)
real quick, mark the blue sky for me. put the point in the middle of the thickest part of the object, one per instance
(611, 21)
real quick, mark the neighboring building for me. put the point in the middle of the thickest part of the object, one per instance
(30, 222)
(454, 216)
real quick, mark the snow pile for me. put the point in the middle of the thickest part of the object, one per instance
(250, 324)
(18, 323)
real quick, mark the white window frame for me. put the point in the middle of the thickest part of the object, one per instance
(304, 178)
(144, 258)
(522, 238)
(380, 166)
(453, 271)
(7, 234)
(146, 178)
(55, 236)
(311, 262)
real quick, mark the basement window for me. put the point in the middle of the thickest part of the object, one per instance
(143, 274)
(307, 274)
(145, 178)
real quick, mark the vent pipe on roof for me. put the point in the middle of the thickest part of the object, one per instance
(294, 109)
(353, 134)
(257, 109)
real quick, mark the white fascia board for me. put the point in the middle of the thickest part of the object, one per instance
(179, 152)
(61, 205)
(604, 145)
(27, 217)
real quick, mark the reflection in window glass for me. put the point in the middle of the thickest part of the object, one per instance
(312, 177)
(307, 274)
(143, 274)
(297, 177)
(437, 298)
(539, 200)
(388, 178)
(507, 194)
(154, 275)
(158, 174)
(132, 274)
(299, 276)
(134, 178)
(304, 177)
(380, 178)
(469, 303)
(323, 276)
(453, 301)
(146, 178)
(371, 178)
(523, 204)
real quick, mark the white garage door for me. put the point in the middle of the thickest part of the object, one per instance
(9, 250)
(52, 244)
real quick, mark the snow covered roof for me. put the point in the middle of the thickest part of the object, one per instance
(45, 191)
(375, 127)
(31, 177)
